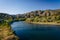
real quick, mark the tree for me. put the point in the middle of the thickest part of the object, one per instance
(36, 19)
(58, 17)
(29, 20)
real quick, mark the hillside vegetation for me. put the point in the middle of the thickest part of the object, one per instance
(34, 16)
(41, 16)
(6, 33)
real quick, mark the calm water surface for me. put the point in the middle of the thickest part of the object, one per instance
(28, 31)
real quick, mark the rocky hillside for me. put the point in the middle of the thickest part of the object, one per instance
(31, 14)
(39, 13)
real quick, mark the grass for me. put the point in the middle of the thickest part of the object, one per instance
(6, 32)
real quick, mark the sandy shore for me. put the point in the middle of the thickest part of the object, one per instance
(47, 23)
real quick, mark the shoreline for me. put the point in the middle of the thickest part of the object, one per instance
(46, 23)
(6, 31)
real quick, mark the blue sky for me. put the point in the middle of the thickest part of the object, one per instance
(23, 6)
